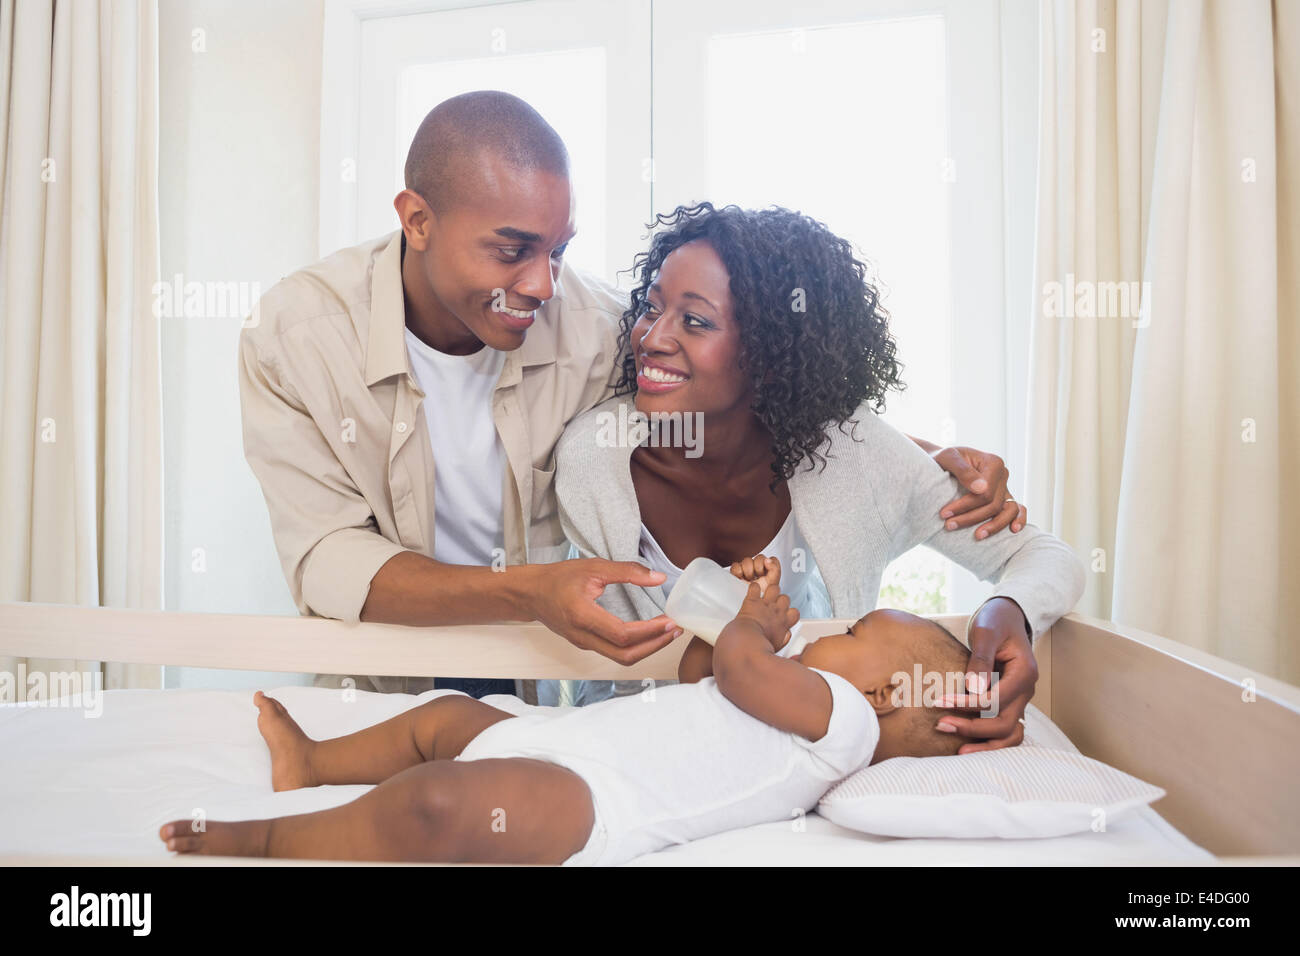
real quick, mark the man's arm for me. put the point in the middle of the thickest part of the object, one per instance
(984, 475)
(413, 589)
(325, 532)
(333, 555)
(338, 565)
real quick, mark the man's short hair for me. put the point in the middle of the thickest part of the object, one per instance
(455, 134)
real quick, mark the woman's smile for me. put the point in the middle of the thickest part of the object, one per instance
(657, 378)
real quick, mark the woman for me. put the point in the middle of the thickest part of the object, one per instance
(764, 325)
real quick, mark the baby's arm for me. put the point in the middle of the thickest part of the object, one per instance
(697, 660)
(696, 663)
(780, 692)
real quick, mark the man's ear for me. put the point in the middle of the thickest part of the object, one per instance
(416, 218)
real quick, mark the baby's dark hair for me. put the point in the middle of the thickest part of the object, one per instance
(814, 337)
(937, 651)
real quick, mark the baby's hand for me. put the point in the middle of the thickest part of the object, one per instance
(766, 571)
(771, 611)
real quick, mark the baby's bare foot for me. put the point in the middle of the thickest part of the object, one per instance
(290, 748)
(244, 838)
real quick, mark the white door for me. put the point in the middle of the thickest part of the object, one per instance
(583, 64)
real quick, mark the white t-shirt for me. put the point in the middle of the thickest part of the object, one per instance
(804, 587)
(686, 762)
(782, 547)
(469, 459)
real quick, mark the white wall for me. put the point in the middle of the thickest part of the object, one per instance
(239, 185)
(239, 170)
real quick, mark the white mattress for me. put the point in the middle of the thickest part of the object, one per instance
(76, 785)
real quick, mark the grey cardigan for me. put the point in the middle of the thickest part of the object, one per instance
(876, 498)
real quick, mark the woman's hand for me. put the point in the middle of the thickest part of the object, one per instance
(998, 640)
(984, 475)
(766, 571)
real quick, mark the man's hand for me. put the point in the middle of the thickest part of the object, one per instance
(564, 599)
(766, 571)
(984, 475)
(998, 640)
(771, 612)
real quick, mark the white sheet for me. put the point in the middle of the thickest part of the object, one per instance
(76, 785)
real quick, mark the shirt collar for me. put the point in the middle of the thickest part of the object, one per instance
(386, 346)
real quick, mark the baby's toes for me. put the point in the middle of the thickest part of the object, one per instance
(186, 844)
(268, 705)
(175, 833)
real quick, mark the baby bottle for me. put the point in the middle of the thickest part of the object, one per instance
(705, 599)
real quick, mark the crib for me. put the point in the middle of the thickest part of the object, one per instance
(1224, 742)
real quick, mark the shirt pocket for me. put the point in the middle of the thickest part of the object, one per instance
(546, 541)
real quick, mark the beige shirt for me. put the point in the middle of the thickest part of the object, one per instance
(334, 433)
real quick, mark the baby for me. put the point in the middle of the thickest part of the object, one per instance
(749, 736)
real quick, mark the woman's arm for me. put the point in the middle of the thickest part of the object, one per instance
(1036, 570)
(1033, 569)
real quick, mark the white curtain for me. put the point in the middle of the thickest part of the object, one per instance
(1162, 440)
(80, 400)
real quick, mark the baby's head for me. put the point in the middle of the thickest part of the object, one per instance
(901, 663)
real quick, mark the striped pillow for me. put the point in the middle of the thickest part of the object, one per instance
(1026, 791)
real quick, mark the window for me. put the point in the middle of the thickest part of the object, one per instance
(872, 117)
(882, 118)
(783, 127)
(582, 64)
(572, 100)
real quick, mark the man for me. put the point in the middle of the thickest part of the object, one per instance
(402, 400)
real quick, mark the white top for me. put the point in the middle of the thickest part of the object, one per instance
(873, 496)
(800, 580)
(469, 479)
(684, 762)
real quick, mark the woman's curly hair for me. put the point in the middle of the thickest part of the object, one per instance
(814, 337)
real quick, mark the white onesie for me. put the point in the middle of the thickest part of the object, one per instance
(682, 762)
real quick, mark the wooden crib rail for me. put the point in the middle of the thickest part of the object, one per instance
(1221, 739)
(320, 646)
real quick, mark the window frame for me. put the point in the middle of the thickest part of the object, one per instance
(994, 63)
